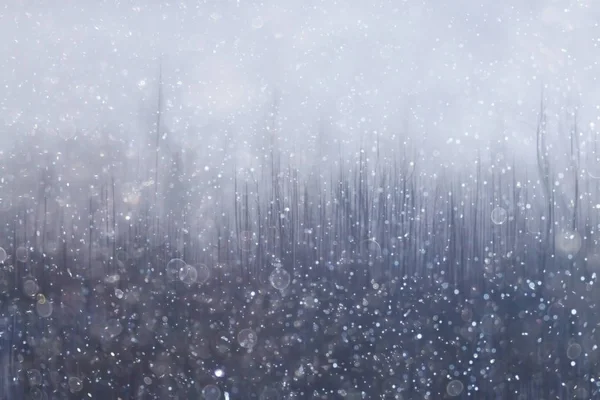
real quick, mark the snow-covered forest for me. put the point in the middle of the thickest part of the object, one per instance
(314, 201)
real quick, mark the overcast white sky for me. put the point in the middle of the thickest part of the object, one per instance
(444, 68)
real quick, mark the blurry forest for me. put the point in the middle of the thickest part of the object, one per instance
(276, 200)
(140, 270)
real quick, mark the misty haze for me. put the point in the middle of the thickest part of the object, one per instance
(299, 200)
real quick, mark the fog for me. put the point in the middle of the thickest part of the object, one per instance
(299, 200)
(427, 70)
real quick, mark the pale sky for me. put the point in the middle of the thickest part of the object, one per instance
(438, 69)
